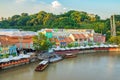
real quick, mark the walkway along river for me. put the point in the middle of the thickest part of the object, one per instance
(94, 66)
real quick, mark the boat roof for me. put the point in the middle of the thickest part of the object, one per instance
(69, 54)
(43, 62)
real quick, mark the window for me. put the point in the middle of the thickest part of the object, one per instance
(27, 45)
(80, 39)
(75, 39)
(85, 39)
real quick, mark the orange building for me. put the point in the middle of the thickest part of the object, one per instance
(22, 39)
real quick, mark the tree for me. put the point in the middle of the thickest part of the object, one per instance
(97, 17)
(41, 43)
(79, 17)
(13, 20)
(68, 20)
(99, 27)
(23, 21)
(115, 39)
(70, 45)
(24, 14)
(48, 18)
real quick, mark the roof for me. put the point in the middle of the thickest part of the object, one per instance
(48, 30)
(79, 36)
(17, 33)
(43, 62)
(90, 35)
(54, 40)
(68, 39)
(62, 40)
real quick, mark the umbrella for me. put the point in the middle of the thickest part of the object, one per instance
(16, 58)
(26, 56)
(5, 60)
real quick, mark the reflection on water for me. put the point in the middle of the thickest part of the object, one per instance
(97, 66)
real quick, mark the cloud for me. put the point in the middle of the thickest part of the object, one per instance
(56, 4)
(31, 6)
(57, 7)
(54, 7)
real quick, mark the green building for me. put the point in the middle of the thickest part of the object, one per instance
(48, 33)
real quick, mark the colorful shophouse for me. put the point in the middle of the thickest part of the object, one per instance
(62, 37)
(8, 50)
(21, 39)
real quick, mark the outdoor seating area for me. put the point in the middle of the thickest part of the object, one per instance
(86, 49)
(14, 61)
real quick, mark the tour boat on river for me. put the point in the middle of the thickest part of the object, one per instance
(42, 65)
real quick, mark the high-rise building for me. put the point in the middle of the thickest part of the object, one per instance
(113, 26)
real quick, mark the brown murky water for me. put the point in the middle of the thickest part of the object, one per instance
(94, 66)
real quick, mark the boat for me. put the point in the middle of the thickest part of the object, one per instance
(70, 55)
(42, 65)
(55, 59)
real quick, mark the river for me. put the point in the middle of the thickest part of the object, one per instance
(93, 66)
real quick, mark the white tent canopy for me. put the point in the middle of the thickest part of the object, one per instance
(4, 60)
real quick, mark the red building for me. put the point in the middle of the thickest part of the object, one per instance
(99, 38)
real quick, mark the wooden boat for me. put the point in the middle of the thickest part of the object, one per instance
(70, 55)
(42, 65)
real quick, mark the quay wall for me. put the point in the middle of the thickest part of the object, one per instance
(93, 50)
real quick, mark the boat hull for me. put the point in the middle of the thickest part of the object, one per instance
(41, 69)
(42, 65)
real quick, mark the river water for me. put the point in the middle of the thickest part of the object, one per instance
(93, 66)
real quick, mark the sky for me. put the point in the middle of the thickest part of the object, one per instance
(103, 8)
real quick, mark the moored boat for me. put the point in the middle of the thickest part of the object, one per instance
(70, 55)
(55, 59)
(42, 65)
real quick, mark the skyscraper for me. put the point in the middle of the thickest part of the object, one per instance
(113, 26)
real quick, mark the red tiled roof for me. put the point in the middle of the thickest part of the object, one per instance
(76, 36)
(7, 40)
(54, 40)
(79, 36)
(68, 40)
(48, 30)
(90, 35)
(83, 36)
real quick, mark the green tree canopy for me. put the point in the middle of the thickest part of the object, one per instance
(68, 20)
(41, 43)
(115, 39)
